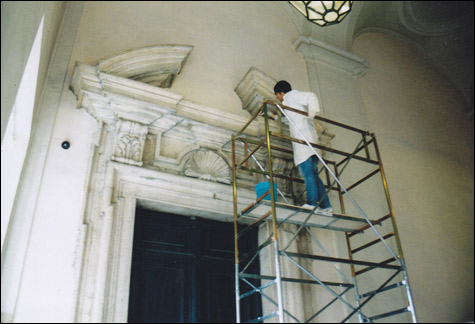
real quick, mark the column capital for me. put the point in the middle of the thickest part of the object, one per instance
(319, 52)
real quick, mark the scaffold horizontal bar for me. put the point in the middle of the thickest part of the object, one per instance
(255, 203)
(249, 121)
(374, 292)
(252, 152)
(276, 175)
(372, 243)
(258, 221)
(295, 280)
(253, 252)
(376, 222)
(363, 179)
(263, 318)
(383, 264)
(392, 313)
(325, 148)
(357, 151)
(329, 121)
(340, 260)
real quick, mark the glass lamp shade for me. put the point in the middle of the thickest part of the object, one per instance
(323, 13)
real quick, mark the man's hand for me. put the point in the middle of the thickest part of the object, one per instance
(270, 115)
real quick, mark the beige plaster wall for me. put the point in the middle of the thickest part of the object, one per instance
(426, 142)
(228, 38)
(20, 22)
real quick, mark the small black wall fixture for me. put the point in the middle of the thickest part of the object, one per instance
(65, 145)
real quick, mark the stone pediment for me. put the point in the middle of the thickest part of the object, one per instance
(155, 65)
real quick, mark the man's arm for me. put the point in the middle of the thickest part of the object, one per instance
(313, 105)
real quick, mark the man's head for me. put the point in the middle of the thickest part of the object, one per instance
(281, 88)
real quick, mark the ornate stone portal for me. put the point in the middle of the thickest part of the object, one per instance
(155, 149)
(152, 148)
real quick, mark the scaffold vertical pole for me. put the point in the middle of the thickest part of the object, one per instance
(396, 234)
(278, 278)
(236, 249)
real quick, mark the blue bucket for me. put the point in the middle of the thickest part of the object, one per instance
(261, 189)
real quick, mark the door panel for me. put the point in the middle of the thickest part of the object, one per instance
(216, 287)
(183, 271)
(160, 282)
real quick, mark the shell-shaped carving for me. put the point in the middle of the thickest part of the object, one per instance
(207, 165)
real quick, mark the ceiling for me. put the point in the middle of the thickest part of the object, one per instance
(443, 31)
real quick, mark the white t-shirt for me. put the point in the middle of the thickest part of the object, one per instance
(307, 102)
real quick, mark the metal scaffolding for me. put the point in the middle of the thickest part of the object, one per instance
(359, 232)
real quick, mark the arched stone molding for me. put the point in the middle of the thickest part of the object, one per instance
(154, 65)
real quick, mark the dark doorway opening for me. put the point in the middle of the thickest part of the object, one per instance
(183, 271)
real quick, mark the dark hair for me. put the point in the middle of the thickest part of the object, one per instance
(282, 86)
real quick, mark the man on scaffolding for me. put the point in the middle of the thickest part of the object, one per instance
(304, 156)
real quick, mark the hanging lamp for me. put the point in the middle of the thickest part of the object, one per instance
(323, 13)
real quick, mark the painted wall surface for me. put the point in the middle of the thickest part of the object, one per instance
(426, 142)
(228, 38)
(17, 40)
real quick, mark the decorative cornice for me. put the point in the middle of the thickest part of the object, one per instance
(156, 128)
(107, 97)
(323, 53)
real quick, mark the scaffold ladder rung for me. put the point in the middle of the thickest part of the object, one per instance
(374, 292)
(367, 245)
(340, 260)
(295, 280)
(392, 313)
(263, 318)
(383, 264)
